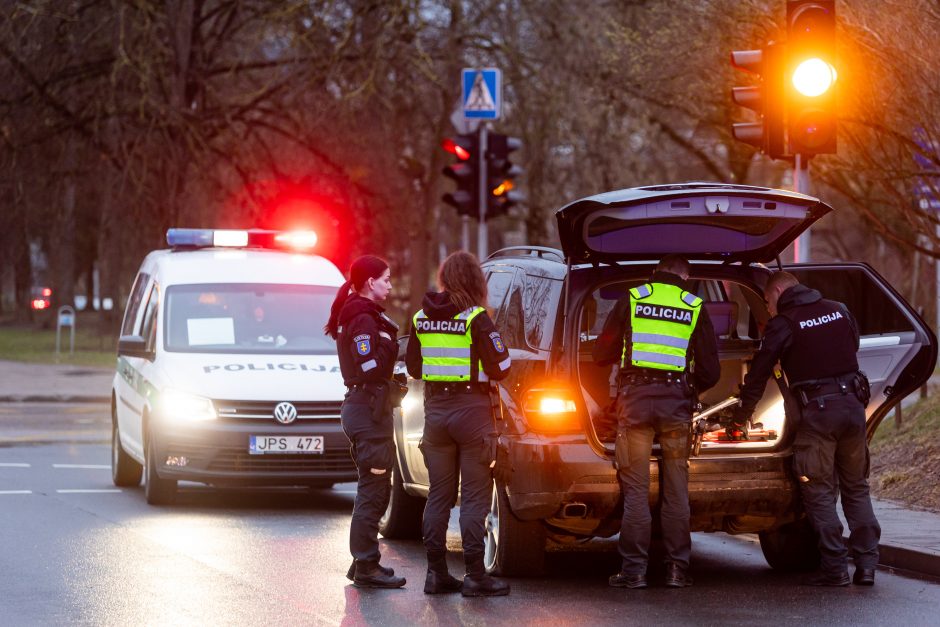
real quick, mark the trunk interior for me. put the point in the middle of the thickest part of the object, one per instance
(730, 307)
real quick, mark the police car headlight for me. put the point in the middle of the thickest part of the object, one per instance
(183, 407)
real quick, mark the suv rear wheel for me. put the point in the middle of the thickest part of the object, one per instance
(402, 519)
(791, 547)
(513, 547)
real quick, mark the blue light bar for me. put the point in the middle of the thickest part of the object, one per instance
(189, 238)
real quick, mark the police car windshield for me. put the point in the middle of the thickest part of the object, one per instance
(248, 318)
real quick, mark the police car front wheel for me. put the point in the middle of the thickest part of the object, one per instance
(125, 471)
(157, 491)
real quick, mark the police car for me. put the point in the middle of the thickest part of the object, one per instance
(224, 375)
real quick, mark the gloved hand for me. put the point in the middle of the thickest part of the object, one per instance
(737, 430)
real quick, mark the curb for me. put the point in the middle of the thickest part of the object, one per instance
(54, 398)
(909, 559)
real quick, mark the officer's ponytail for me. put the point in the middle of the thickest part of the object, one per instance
(362, 269)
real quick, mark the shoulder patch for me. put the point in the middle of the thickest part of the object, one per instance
(497, 342)
(363, 344)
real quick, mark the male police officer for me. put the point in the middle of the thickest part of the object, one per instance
(816, 341)
(666, 346)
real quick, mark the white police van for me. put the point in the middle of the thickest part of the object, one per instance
(224, 374)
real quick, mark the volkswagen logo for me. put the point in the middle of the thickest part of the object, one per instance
(285, 413)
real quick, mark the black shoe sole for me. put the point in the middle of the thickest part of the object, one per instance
(444, 591)
(869, 582)
(376, 584)
(629, 586)
(497, 593)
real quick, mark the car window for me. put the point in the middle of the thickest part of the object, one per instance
(133, 303)
(248, 318)
(540, 302)
(506, 297)
(873, 310)
(148, 327)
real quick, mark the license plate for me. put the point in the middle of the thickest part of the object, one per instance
(262, 444)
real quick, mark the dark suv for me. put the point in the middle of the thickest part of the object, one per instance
(551, 304)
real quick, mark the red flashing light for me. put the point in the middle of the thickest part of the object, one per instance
(297, 239)
(46, 292)
(455, 149)
(39, 303)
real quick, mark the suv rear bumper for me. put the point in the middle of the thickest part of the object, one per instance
(217, 452)
(731, 493)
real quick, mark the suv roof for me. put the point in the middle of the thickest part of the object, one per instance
(699, 220)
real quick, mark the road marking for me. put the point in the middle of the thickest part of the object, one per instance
(106, 491)
(16, 491)
(13, 465)
(84, 466)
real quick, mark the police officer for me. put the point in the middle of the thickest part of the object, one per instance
(365, 340)
(665, 344)
(816, 341)
(456, 350)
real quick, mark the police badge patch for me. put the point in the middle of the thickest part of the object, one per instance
(363, 344)
(497, 342)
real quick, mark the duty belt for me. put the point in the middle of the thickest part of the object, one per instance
(654, 378)
(821, 389)
(436, 388)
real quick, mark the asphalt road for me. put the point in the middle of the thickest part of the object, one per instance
(77, 550)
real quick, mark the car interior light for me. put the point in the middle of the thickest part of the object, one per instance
(230, 238)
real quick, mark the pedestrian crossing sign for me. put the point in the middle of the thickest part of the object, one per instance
(482, 93)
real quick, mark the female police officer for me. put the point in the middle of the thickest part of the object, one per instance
(365, 340)
(456, 350)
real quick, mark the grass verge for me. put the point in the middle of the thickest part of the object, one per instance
(905, 460)
(29, 344)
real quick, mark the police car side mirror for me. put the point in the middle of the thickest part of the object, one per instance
(402, 347)
(133, 346)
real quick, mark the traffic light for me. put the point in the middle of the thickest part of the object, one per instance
(501, 174)
(811, 76)
(766, 98)
(465, 172)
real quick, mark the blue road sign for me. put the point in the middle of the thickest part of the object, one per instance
(482, 93)
(926, 159)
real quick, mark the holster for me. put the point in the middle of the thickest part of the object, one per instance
(385, 396)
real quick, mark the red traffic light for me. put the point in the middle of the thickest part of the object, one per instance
(454, 148)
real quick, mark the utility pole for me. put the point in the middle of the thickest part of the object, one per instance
(801, 186)
(483, 197)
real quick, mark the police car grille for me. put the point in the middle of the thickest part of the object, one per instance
(240, 461)
(263, 411)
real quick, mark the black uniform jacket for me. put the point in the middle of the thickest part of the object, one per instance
(813, 338)
(486, 346)
(366, 342)
(703, 347)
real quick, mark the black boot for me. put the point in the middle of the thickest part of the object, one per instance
(824, 578)
(351, 573)
(477, 583)
(371, 575)
(439, 581)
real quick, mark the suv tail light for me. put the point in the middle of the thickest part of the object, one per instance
(551, 410)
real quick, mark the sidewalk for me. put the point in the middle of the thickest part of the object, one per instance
(49, 383)
(910, 540)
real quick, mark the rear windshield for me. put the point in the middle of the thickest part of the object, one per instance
(248, 318)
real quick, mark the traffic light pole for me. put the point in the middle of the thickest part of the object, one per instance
(801, 186)
(482, 243)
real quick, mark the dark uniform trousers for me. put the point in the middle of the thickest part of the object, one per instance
(646, 411)
(454, 430)
(831, 446)
(373, 450)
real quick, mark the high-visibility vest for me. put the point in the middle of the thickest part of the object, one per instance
(662, 319)
(445, 346)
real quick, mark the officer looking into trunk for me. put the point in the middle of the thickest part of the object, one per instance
(455, 348)
(367, 347)
(665, 344)
(816, 341)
